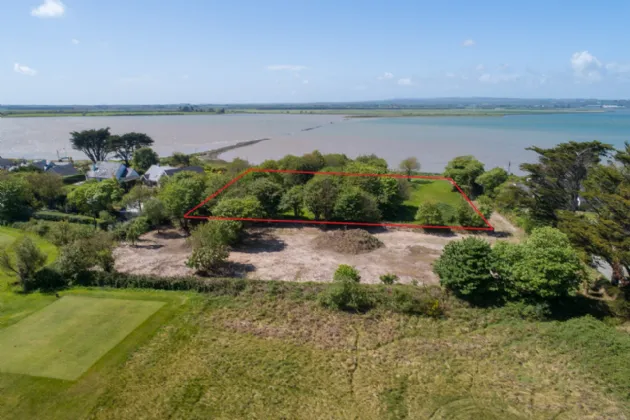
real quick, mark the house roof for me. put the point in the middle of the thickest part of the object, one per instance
(108, 170)
(156, 172)
(6, 162)
(62, 168)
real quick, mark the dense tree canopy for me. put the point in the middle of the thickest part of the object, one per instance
(94, 143)
(143, 158)
(94, 197)
(356, 205)
(556, 181)
(464, 170)
(320, 196)
(125, 145)
(268, 194)
(181, 193)
(15, 199)
(491, 179)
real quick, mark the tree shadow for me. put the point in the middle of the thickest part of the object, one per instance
(260, 240)
(578, 306)
(151, 246)
(236, 269)
(170, 234)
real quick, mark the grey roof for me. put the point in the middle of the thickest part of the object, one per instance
(41, 164)
(109, 170)
(62, 168)
(156, 172)
(6, 163)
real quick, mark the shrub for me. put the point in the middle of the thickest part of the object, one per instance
(136, 228)
(346, 294)
(268, 193)
(209, 258)
(468, 217)
(543, 266)
(449, 213)
(464, 268)
(485, 205)
(28, 260)
(82, 255)
(406, 302)
(46, 279)
(429, 214)
(154, 211)
(293, 200)
(389, 278)
(347, 272)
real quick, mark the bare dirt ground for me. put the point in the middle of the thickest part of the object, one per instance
(289, 254)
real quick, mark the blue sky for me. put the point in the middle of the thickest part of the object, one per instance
(140, 51)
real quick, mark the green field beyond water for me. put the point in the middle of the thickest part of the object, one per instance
(66, 338)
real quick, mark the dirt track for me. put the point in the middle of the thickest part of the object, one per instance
(288, 254)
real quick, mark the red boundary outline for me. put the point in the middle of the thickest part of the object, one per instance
(323, 222)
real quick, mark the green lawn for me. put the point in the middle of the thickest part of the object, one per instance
(65, 338)
(8, 236)
(277, 354)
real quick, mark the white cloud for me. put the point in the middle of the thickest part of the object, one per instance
(75, 41)
(49, 9)
(468, 43)
(19, 68)
(405, 82)
(386, 76)
(450, 75)
(185, 77)
(480, 67)
(504, 66)
(586, 66)
(305, 82)
(283, 67)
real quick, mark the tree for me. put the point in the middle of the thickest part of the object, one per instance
(139, 194)
(372, 160)
(320, 196)
(465, 268)
(464, 170)
(179, 159)
(94, 143)
(409, 165)
(485, 206)
(604, 232)
(335, 160)
(429, 214)
(543, 266)
(246, 207)
(353, 204)
(15, 197)
(556, 181)
(180, 193)
(93, 197)
(268, 193)
(491, 180)
(468, 217)
(46, 187)
(293, 200)
(155, 212)
(28, 260)
(78, 257)
(143, 158)
(209, 244)
(238, 165)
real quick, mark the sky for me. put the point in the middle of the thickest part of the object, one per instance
(204, 51)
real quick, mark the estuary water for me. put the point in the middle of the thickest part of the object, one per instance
(497, 141)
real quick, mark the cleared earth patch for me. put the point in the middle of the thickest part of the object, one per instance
(67, 337)
(354, 241)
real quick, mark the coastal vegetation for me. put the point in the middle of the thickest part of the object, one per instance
(80, 339)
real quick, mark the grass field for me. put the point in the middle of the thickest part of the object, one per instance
(67, 337)
(8, 236)
(276, 354)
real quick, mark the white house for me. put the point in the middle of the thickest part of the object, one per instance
(155, 173)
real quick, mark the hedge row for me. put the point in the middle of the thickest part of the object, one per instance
(56, 216)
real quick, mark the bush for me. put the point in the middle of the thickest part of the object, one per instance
(136, 228)
(268, 193)
(347, 272)
(406, 302)
(464, 268)
(485, 206)
(82, 255)
(247, 207)
(429, 214)
(389, 278)
(46, 279)
(449, 213)
(346, 294)
(209, 258)
(544, 266)
(27, 261)
(468, 217)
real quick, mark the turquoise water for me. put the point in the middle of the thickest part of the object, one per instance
(496, 141)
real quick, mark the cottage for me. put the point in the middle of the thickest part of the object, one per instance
(112, 170)
(157, 172)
